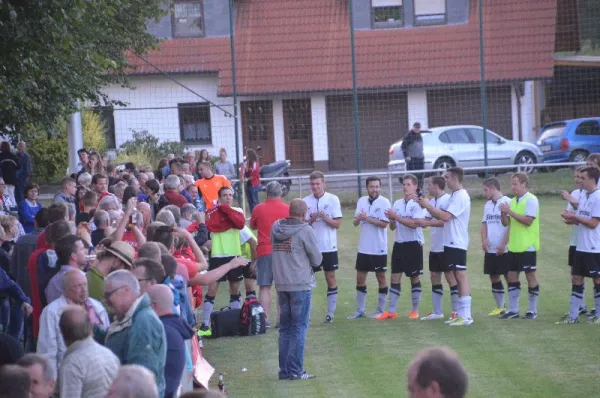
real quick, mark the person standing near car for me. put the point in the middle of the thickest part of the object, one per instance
(412, 149)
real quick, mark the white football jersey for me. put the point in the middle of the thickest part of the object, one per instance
(411, 210)
(372, 239)
(588, 239)
(436, 234)
(456, 230)
(576, 194)
(330, 205)
(492, 217)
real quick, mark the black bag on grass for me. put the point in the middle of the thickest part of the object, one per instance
(225, 322)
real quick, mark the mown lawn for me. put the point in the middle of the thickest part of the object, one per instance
(361, 358)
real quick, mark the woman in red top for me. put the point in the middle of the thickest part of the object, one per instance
(252, 174)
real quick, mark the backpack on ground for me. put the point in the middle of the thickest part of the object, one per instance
(253, 318)
(225, 323)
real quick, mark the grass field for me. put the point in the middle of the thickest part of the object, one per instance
(360, 358)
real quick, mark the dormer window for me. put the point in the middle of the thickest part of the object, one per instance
(188, 18)
(430, 12)
(387, 13)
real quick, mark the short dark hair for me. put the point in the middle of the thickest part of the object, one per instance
(153, 185)
(64, 248)
(66, 180)
(169, 264)
(164, 235)
(371, 179)
(317, 175)
(41, 218)
(32, 359)
(442, 366)
(31, 187)
(15, 381)
(492, 182)
(439, 182)
(224, 189)
(57, 212)
(457, 172)
(153, 270)
(89, 198)
(592, 172)
(417, 125)
(82, 150)
(56, 231)
(411, 177)
(97, 177)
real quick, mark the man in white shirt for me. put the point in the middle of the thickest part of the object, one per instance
(587, 255)
(456, 239)
(372, 246)
(494, 239)
(437, 265)
(522, 218)
(325, 215)
(572, 199)
(407, 255)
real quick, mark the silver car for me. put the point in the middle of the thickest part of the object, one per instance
(462, 146)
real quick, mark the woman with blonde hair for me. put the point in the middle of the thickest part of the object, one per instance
(593, 159)
(95, 165)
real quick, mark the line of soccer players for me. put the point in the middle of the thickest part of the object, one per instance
(510, 239)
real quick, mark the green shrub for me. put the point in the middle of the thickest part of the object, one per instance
(94, 131)
(49, 155)
(144, 149)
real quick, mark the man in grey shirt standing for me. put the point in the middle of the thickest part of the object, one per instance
(295, 254)
(412, 148)
(224, 167)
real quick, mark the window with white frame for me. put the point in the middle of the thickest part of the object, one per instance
(188, 18)
(430, 12)
(387, 13)
(194, 123)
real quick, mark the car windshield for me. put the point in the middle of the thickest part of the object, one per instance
(553, 131)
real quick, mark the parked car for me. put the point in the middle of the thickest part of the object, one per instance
(462, 146)
(569, 140)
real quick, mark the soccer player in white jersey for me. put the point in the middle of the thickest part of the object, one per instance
(587, 255)
(372, 246)
(407, 256)
(325, 215)
(456, 239)
(494, 239)
(437, 265)
(572, 199)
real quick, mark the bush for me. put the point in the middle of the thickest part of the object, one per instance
(94, 131)
(49, 155)
(144, 149)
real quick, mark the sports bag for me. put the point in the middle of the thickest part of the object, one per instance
(253, 318)
(225, 323)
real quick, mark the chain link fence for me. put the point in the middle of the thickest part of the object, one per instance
(332, 84)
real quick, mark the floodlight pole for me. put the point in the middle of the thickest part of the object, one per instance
(355, 97)
(483, 88)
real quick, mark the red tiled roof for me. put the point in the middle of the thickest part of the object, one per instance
(304, 45)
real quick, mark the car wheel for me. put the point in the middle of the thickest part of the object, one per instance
(579, 156)
(444, 163)
(525, 160)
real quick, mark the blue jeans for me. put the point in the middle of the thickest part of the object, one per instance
(11, 317)
(252, 195)
(293, 324)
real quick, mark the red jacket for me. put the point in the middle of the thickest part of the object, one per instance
(224, 217)
(175, 198)
(36, 301)
(263, 217)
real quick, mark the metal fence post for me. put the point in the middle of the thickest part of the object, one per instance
(355, 96)
(390, 185)
(300, 185)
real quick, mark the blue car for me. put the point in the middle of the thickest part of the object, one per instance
(570, 140)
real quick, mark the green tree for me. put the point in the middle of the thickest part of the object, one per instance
(55, 52)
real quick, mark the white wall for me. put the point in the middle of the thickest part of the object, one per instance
(514, 113)
(278, 129)
(417, 108)
(319, 128)
(152, 106)
(527, 113)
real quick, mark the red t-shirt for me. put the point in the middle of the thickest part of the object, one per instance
(253, 174)
(102, 195)
(129, 237)
(175, 198)
(263, 217)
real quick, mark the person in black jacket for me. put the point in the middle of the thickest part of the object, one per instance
(9, 165)
(412, 148)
